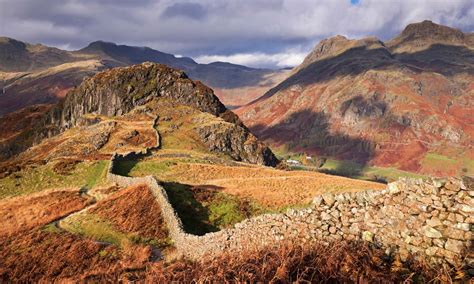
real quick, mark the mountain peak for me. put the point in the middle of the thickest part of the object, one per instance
(429, 29)
(12, 42)
(99, 45)
(337, 45)
(420, 35)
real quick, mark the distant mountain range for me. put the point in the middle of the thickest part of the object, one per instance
(406, 103)
(34, 74)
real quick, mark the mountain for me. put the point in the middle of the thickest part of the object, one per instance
(221, 75)
(129, 55)
(17, 56)
(37, 74)
(405, 103)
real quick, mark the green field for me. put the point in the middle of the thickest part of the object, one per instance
(355, 170)
(208, 211)
(438, 162)
(141, 168)
(347, 168)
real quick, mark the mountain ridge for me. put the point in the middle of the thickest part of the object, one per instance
(22, 66)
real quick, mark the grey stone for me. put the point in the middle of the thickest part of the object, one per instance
(434, 222)
(454, 245)
(317, 200)
(431, 232)
(393, 188)
(325, 216)
(328, 199)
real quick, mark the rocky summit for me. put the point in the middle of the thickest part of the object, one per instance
(406, 103)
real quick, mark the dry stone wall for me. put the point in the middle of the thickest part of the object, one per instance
(431, 219)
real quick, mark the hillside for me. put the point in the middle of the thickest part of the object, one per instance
(405, 103)
(17, 56)
(37, 74)
(140, 173)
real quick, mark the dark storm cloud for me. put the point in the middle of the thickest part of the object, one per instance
(255, 32)
(187, 10)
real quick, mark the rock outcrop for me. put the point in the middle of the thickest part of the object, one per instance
(237, 142)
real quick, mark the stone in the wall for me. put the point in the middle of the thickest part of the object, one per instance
(328, 199)
(454, 245)
(431, 232)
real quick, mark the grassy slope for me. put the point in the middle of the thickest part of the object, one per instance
(124, 218)
(354, 170)
(88, 174)
(436, 162)
(181, 143)
(100, 229)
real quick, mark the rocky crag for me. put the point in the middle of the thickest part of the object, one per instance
(118, 91)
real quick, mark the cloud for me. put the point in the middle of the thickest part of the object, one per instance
(262, 60)
(242, 30)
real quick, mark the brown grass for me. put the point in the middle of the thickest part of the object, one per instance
(32, 253)
(39, 256)
(133, 210)
(24, 213)
(267, 186)
(339, 262)
(122, 139)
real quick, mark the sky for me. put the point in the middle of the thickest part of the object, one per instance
(257, 33)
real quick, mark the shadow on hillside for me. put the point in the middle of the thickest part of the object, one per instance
(310, 132)
(359, 60)
(187, 201)
(124, 167)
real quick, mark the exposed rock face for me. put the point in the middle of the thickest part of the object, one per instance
(386, 104)
(117, 91)
(237, 142)
(336, 45)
